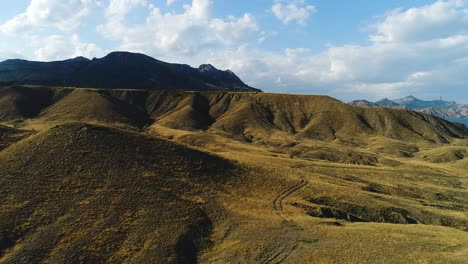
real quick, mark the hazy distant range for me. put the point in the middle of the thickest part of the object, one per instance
(448, 110)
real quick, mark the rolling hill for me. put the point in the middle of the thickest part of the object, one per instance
(120, 70)
(80, 180)
(138, 176)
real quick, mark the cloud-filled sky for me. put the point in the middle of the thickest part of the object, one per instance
(347, 49)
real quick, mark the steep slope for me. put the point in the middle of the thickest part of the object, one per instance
(258, 117)
(76, 193)
(22, 102)
(9, 136)
(89, 105)
(409, 125)
(120, 70)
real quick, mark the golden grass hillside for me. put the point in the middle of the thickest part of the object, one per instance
(210, 177)
(75, 193)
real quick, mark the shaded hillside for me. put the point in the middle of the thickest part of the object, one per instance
(75, 193)
(91, 106)
(9, 136)
(120, 70)
(22, 102)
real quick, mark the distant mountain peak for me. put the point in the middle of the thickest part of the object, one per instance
(363, 103)
(125, 53)
(439, 107)
(406, 99)
(207, 68)
(79, 59)
(127, 56)
(387, 102)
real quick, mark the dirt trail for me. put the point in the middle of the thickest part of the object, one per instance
(279, 253)
(278, 201)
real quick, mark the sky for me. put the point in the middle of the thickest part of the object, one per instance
(360, 49)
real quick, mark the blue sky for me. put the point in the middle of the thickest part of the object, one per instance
(346, 49)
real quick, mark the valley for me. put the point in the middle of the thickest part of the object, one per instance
(133, 176)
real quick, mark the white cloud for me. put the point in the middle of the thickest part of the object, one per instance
(64, 15)
(115, 14)
(85, 49)
(119, 8)
(182, 34)
(52, 49)
(60, 47)
(264, 35)
(295, 11)
(441, 19)
(170, 2)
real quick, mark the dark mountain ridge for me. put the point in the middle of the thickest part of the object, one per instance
(120, 70)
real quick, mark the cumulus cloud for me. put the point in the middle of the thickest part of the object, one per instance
(119, 8)
(64, 15)
(441, 19)
(293, 11)
(353, 71)
(115, 13)
(59, 47)
(184, 33)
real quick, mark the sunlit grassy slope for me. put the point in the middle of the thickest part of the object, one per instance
(180, 177)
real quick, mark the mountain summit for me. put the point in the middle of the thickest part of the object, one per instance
(121, 70)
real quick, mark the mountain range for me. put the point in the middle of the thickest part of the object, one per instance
(120, 70)
(449, 110)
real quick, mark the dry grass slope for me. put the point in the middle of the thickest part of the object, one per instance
(75, 193)
(215, 177)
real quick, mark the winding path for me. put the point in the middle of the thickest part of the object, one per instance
(281, 252)
(278, 201)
